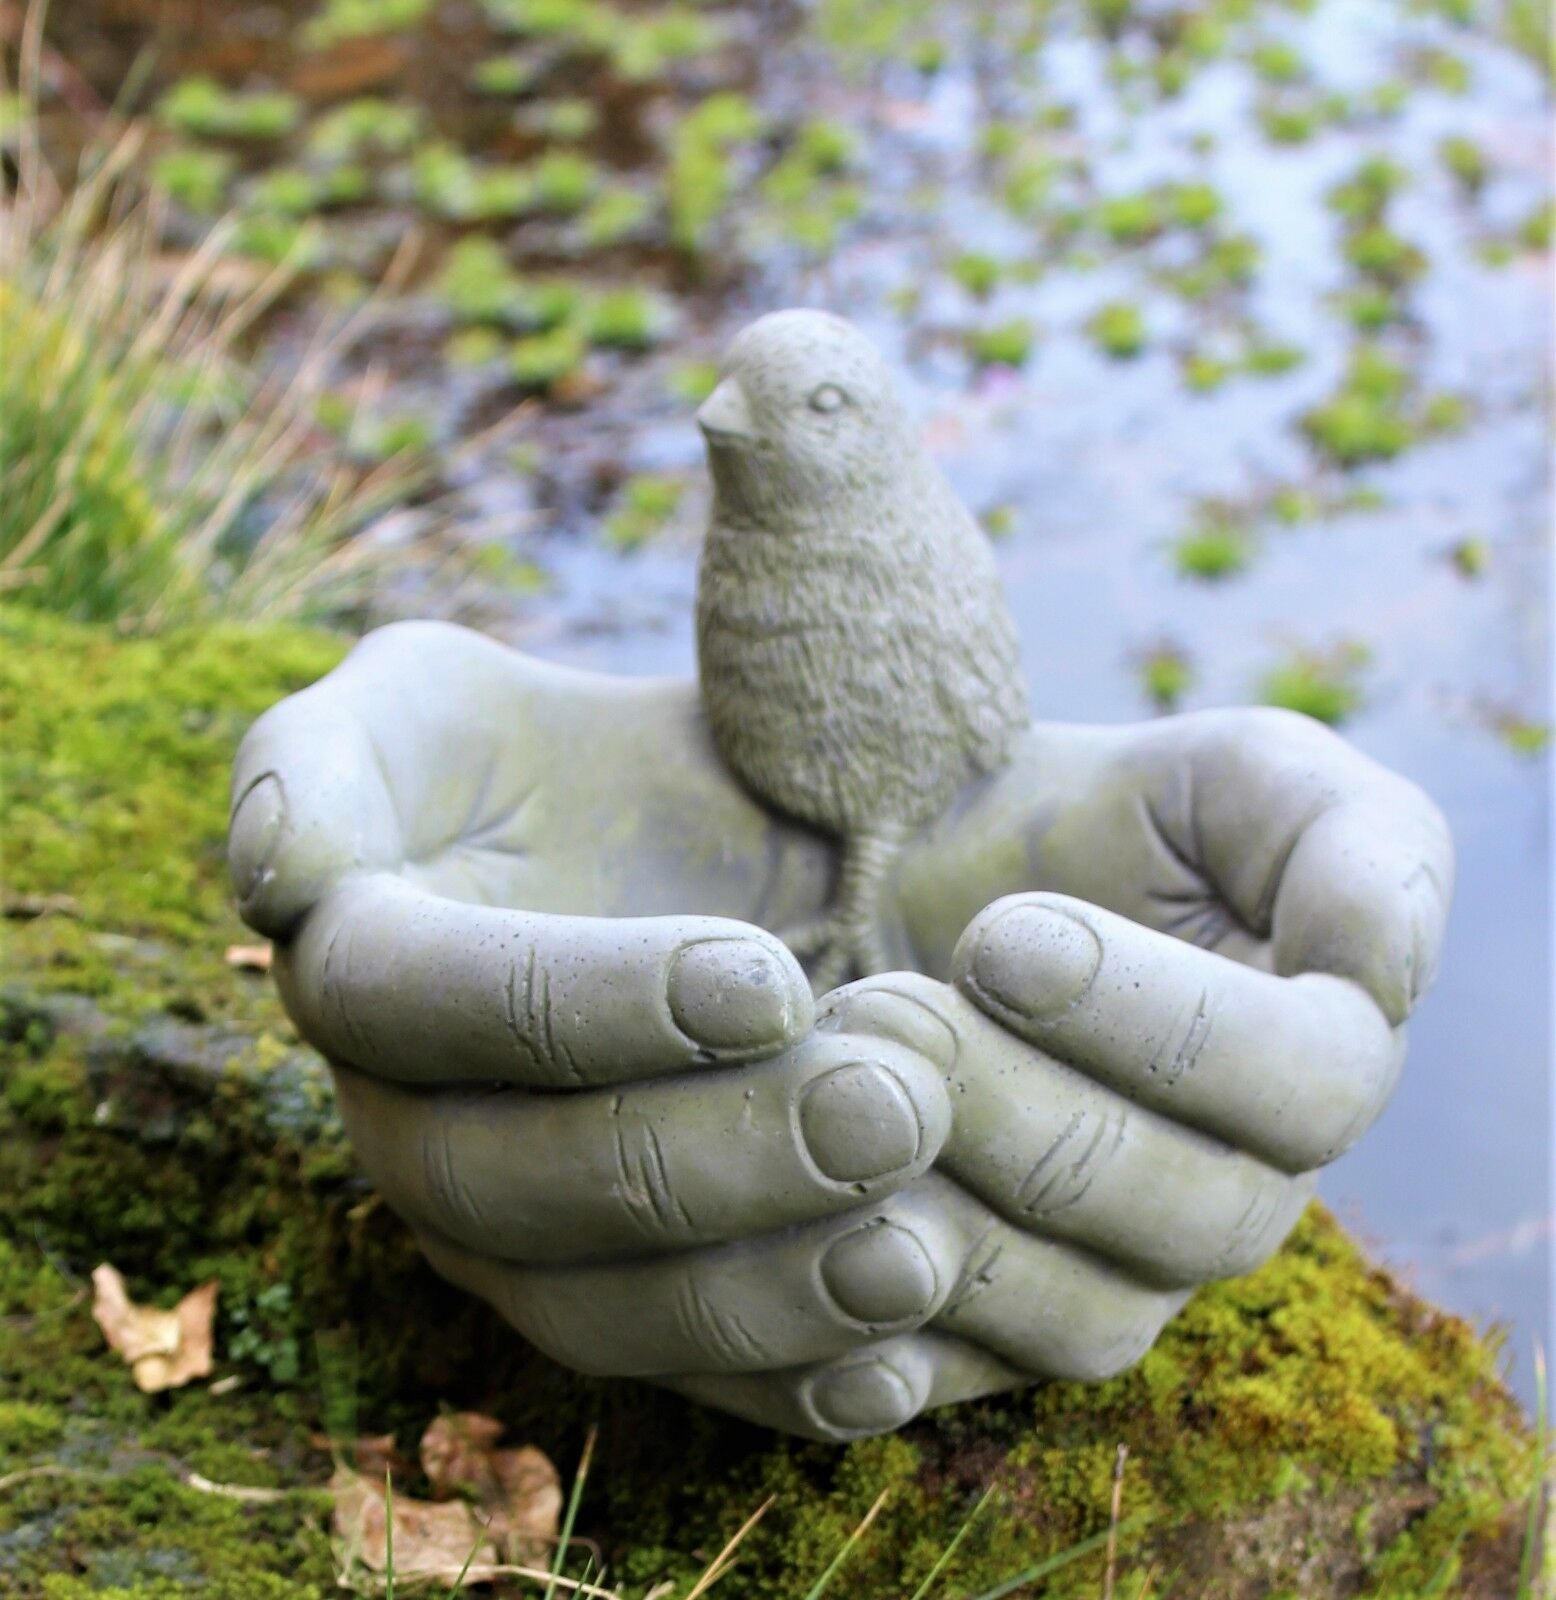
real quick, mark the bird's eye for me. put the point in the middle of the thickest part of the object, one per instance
(827, 398)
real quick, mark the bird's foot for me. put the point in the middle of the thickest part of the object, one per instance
(834, 950)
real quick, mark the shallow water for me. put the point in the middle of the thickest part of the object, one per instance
(1098, 465)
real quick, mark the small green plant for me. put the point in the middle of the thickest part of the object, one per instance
(1272, 359)
(1371, 307)
(200, 106)
(1132, 219)
(1465, 162)
(1203, 374)
(645, 506)
(624, 319)
(1379, 253)
(565, 181)
(540, 360)
(340, 20)
(1194, 205)
(699, 178)
(615, 213)
(1471, 556)
(197, 179)
(514, 73)
(1288, 121)
(1166, 675)
(1278, 62)
(1366, 418)
(478, 285)
(693, 381)
(1535, 232)
(456, 186)
(1325, 685)
(977, 272)
(365, 127)
(1363, 197)
(1214, 550)
(1001, 344)
(1118, 330)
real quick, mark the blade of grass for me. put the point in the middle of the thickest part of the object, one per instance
(1054, 1564)
(559, 1558)
(950, 1550)
(1110, 1576)
(837, 1561)
(725, 1558)
(459, 1582)
(1440, 1579)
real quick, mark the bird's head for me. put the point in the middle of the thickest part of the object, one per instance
(806, 411)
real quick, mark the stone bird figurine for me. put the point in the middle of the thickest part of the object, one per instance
(857, 659)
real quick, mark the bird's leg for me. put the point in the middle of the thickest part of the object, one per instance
(847, 941)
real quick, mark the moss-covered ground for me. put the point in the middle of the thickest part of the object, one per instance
(1311, 1430)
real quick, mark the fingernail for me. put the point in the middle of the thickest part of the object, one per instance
(869, 1397)
(733, 995)
(252, 834)
(1036, 960)
(858, 1122)
(880, 1274)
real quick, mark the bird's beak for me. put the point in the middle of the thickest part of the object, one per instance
(725, 414)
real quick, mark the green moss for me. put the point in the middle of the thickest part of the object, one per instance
(114, 750)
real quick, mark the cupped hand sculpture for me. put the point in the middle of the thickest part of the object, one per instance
(1151, 978)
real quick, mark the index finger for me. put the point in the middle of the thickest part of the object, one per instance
(410, 986)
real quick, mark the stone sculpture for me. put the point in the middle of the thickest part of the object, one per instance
(1146, 980)
(857, 659)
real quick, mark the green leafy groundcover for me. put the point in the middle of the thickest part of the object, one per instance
(1311, 1430)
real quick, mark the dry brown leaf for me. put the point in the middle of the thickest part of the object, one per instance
(518, 1490)
(431, 1540)
(164, 1349)
(249, 957)
(525, 1521)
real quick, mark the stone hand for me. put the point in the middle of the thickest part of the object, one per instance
(478, 869)
(1134, 1112)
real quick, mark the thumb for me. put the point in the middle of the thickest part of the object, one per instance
(309, 805)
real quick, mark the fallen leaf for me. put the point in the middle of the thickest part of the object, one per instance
(525, 1521)
(249, 957)
(518, 1490)
(164, 1349)
(456, 1455)
(431, 1540)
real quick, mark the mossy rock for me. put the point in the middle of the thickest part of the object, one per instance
(1310, 1430)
